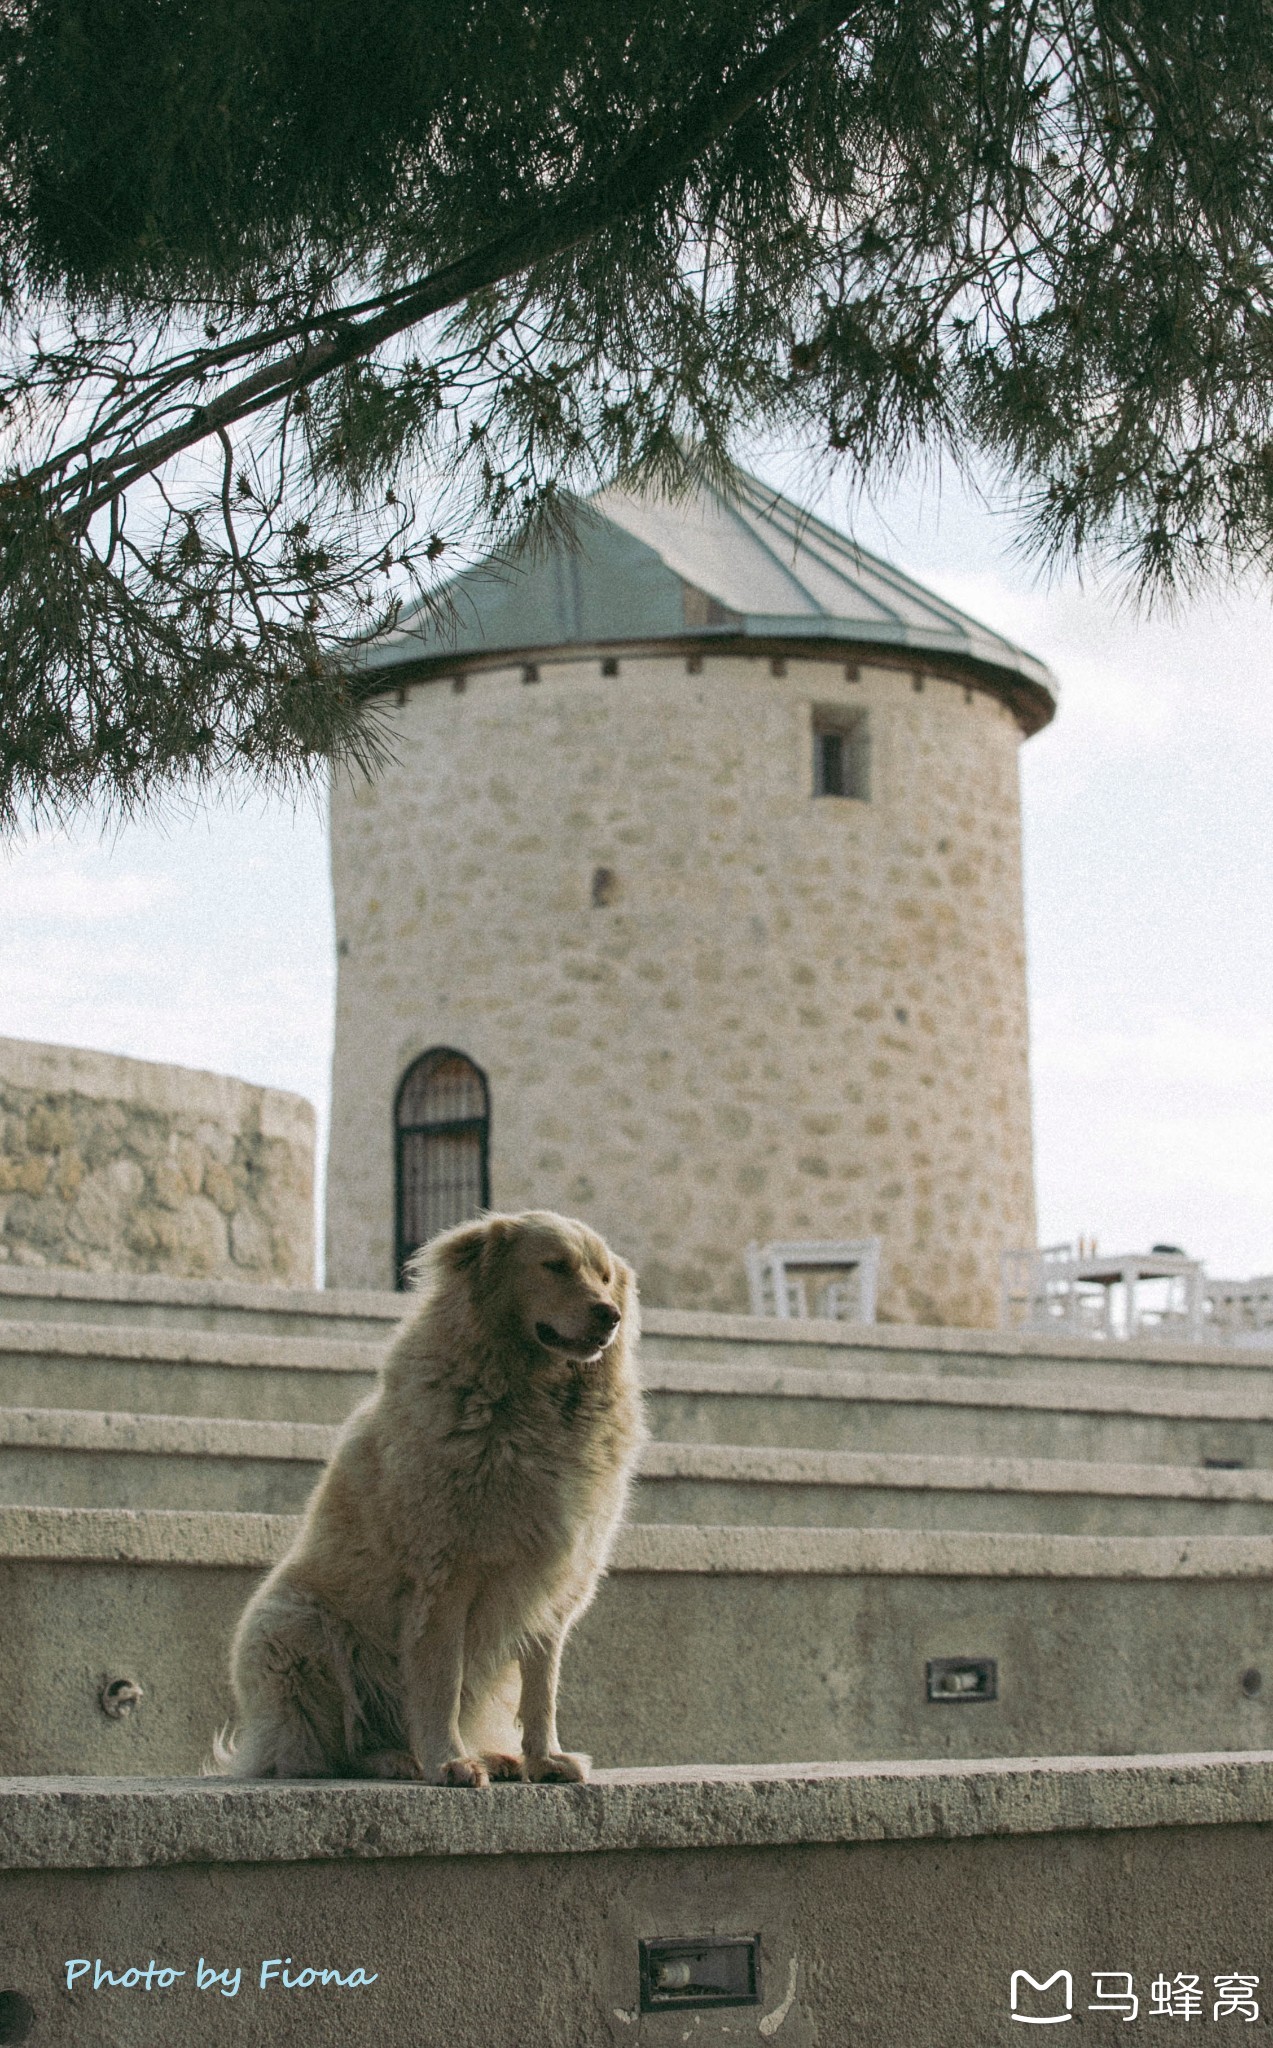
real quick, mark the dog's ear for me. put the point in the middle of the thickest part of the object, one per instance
(472, 1245)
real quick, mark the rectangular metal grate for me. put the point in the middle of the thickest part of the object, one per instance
(441, 1181)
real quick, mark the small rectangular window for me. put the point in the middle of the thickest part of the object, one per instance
(841, 754)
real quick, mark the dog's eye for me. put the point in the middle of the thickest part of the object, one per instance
(562, 1266)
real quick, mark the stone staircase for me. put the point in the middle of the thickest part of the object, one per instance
(823, 1514)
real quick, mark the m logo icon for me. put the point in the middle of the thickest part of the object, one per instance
(1042, 2019)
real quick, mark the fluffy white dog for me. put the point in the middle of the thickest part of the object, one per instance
(460, 1528)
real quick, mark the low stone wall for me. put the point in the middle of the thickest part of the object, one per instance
(927, 1905)
(120, 1165)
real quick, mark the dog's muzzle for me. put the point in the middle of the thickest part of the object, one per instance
(604, 1320)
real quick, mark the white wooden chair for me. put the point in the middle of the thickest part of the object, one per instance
(836, 1279)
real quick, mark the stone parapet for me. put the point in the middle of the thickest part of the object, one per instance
(111, 1164)
(892, 1905)
(133, 1823)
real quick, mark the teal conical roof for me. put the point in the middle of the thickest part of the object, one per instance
(748, 570)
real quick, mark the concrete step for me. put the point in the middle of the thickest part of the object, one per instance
(149, 1301)
(681, 1338)
(163, 1371)
(67, 1457)
(730, 1645)
(294, 1379)
(59, 1457)
(761, 1487)
(961, 1416)
(895, 1904)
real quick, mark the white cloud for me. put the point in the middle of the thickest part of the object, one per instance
(203, 940)
(55, 885)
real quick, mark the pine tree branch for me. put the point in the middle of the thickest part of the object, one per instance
(636, 179)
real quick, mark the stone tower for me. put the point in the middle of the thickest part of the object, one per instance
(691, 903)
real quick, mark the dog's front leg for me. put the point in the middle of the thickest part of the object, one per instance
(546, 1763)
(432, 1657)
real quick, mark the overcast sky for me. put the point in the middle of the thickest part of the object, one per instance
(1148, 808)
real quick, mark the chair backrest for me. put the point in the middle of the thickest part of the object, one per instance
(833, 1278)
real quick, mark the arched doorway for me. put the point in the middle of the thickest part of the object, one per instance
(442, 1122)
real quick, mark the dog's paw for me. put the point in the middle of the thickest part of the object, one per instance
(558, 1769)
(389, 1763)
(464, 1770)
(502, 1769)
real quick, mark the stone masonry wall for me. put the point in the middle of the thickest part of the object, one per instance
(126, 1166)
(783, 1016)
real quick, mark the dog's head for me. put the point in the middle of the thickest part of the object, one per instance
(554, 1281)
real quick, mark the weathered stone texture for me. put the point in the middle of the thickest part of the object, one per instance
(119, 1165)
(789, 1016)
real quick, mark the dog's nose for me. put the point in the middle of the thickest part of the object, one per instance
(604, 1314)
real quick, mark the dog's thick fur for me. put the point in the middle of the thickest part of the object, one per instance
(460, 1528)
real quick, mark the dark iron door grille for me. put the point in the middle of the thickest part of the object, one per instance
(443, 1145)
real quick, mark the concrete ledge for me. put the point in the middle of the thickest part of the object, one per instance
(96, 1342)
(952, 1343)
(148, 1536)
(192, 1436)
(763, 1465)
(830, 1383)
(94, 1459)
(252, 1353)
(892, 1905)
(730, 1644)
(178, 1436)
(157, 1291)
(133, 1823)
(171, 1536)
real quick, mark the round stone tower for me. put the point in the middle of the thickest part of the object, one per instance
(691, 904)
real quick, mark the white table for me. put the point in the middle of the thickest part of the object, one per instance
(1061, 1286)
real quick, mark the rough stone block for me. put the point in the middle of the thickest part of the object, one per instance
(104, 1161)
